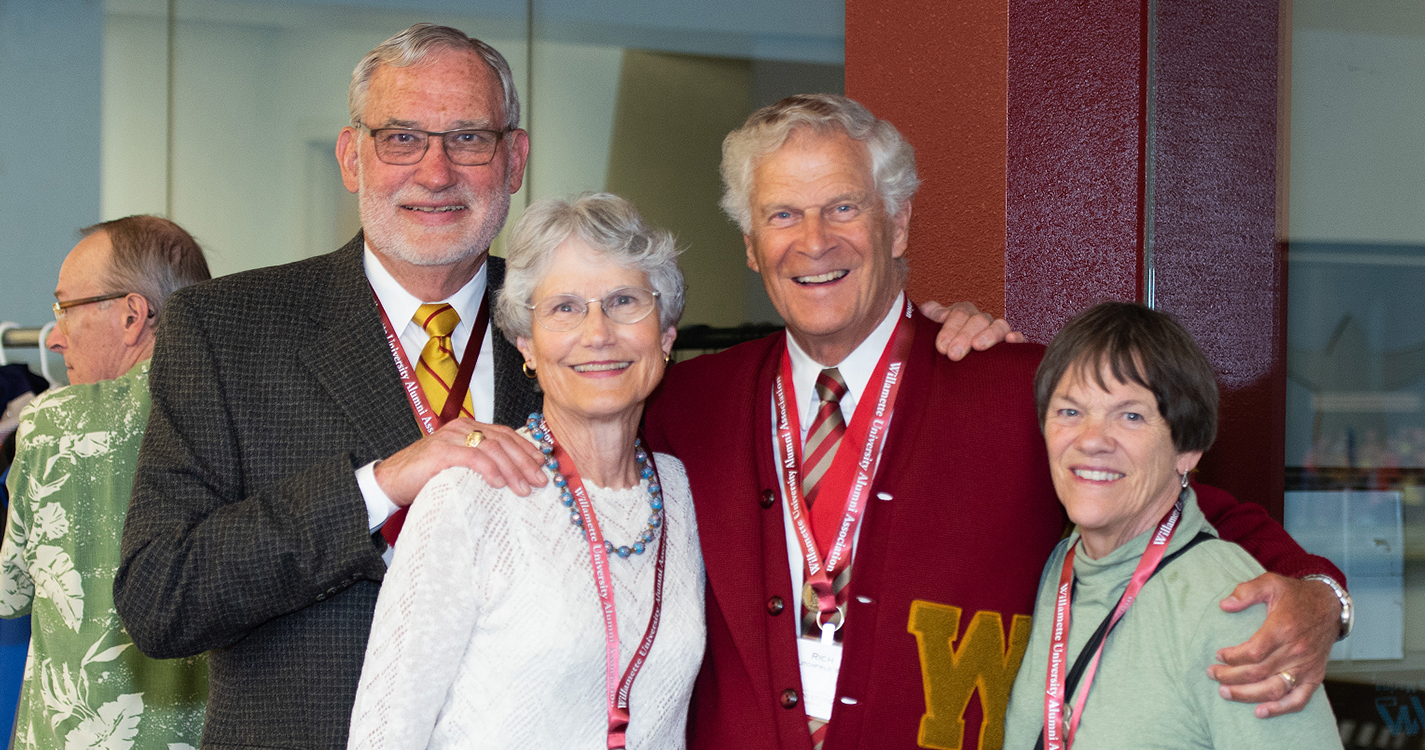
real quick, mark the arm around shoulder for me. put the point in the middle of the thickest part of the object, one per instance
(1236, 725)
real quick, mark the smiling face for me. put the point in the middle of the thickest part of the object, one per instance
(601, 370)
(433, 212)
(1112, 458)
(823, 243)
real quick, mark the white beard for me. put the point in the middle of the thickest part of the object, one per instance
(384, 230)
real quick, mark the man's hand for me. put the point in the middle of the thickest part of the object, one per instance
(1303, 620)
(965, 327)
(502, 458)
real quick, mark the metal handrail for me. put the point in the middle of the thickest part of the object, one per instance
(16, 336)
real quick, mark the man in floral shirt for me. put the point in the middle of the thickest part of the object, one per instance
(85, 683)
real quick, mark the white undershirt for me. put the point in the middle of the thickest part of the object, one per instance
(401, 305)
(856, 370)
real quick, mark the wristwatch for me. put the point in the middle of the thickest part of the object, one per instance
(1348, 610)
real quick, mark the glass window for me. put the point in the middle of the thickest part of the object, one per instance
(224, 114)
(1355, 418)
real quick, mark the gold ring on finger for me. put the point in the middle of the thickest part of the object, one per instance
(1290, 681)
(474, 438)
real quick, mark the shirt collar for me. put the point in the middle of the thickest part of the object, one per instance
(856, 369)
(401, 305)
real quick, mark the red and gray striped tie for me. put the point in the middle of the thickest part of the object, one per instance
(823, 438)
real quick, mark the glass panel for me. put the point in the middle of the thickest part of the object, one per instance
(632, 98)
(636, 99)
(1356, 343)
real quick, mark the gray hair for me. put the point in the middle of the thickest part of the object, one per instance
(892, 157)
(152, 256)
(414, 45)
(609, 225)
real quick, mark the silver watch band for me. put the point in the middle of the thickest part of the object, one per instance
(1348, 610)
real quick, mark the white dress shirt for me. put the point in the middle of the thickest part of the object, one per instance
(856, 371)
(400, 305)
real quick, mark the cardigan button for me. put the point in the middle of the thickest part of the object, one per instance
(768, 499)
(775, 606)
(790, 699)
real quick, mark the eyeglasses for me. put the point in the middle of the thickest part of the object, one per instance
(407, 146)
(61, 309)
(564, 312)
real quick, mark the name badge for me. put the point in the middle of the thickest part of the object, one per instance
(820, 663)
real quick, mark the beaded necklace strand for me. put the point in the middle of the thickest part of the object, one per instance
(540, 430)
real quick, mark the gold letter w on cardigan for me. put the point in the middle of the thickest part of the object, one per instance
(952, 676)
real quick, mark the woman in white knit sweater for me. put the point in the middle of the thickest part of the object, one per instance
(507, 621)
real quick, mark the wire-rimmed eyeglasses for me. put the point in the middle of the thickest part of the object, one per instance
(61, 309)
(407, 146)
(564, 312)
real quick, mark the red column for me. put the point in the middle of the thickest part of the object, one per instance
(1033, 120)
(937, 70)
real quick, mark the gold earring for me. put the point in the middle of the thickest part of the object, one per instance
(528, 371)
(667, 356)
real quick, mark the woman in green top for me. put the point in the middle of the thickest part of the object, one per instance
(1128, 404)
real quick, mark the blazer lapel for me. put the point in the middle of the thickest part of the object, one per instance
(349, 356)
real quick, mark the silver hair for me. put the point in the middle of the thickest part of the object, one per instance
(892, 157)
(415, 44)
(609, 225)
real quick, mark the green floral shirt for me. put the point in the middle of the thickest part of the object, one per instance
(86, 684)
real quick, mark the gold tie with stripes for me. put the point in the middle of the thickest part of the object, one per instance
(437, 368)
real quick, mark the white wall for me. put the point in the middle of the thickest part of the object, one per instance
(1358, 121)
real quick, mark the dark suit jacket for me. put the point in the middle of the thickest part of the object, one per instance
(951, 547)
(247, 535)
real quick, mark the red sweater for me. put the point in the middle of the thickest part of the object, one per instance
(946, 568)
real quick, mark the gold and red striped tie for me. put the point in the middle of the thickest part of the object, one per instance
(823, 438)
(437, 367)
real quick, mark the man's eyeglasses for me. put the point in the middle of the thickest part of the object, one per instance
(61, 309)
(407, 146)
(564, 312)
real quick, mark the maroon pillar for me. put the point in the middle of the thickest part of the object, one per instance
(1139, 155)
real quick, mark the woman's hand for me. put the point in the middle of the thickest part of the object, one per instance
(1303, 621)
(964, 327)
(502, 458)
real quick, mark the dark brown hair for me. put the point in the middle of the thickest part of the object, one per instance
(152, 256)
(1143, 346)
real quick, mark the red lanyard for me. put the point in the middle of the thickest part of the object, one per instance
(1055, 737)
(420, 406)
(851, 470)
(618, 689)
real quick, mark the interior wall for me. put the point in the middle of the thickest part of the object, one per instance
(938, 72)
(49, 179)
(673, 112)
(1049, 184)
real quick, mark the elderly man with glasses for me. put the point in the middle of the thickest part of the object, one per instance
(74, 467)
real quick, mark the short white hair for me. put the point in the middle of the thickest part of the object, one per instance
(414, 45)
(767, 129)
(610, 226)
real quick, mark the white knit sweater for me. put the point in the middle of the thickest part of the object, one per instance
(488, 632)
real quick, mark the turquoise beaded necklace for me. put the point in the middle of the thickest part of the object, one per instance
(539, 429)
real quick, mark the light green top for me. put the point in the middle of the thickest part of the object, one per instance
(1152, 688)
(86, 684)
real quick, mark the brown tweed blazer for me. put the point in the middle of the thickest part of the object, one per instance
(246, 536)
